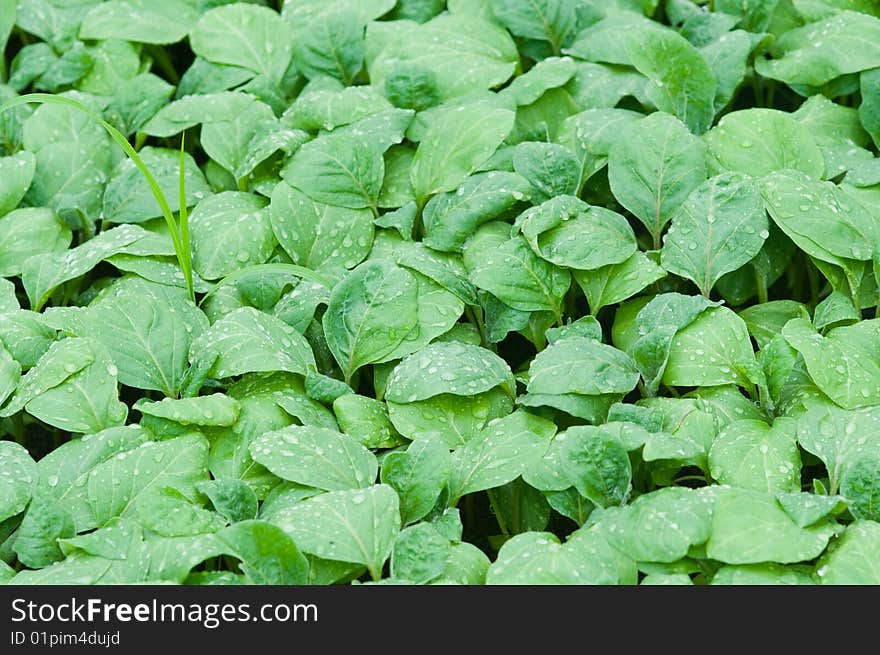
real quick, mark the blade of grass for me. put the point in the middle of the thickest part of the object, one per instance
(181, 248)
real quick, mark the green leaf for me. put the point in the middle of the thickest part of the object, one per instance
(553, 21)
(45, 522)
(843, 364)
(550, 168)
(680, 80)
(712, 350)
(614, 283)
(597, 465)
(316, 457)
(854, 558)
(420, 554)
(244, 35)
(214, 410)
(514, 274)
(268, 555)
(455, 144)
(418, 475)
(366, 420)
(567, 232)
(17, 479)
(167, 512)
(582, 366)
(760, 141)
(230, 231)
(141, 21)
(760, 574)
(454, 368)
(358, 526)
(147, 330)
(318, 235)
(663, 525)
(16, 174)
(371, 312)
(248, 340)
(332, 45)
(753, 455)
(539, 558)
(869, 109)
(720, 227)
(114, 486)
(503, 451)
(847, 42)
(750, 527)
(806, 509)
(861, 488)
(30, 232)
(654, 169)
(467, 53)
(338, 170)
(232, 499)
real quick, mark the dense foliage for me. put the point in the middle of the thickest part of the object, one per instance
(502, 291)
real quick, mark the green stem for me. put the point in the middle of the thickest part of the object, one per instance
(494, 502)
(163, 61)
(474, 317)
(762, 286)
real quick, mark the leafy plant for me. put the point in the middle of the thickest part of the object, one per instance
(503, 292)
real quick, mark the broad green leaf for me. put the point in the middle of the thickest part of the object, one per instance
(712, 350)
(167, 512)
(371, 312)
(581, 365)
(654, 329)
(450, 218)
(538, 558)
(42, 274)
(229, 232)
(366, 420)
(16, 173)
(550, 168)
(233, 499)
(551, 73)
(654, 169)
(30, 232)
(554, 21)
(45, 522)
(853, 560)
(19, 473)
(315, 234)
(141, 21)
(418, 475)
(861, 488)
(466, 53)
(843, 363)
(268, 555)
(338, 170)
(248, 340)
(760, 574)
(114, 486)
(663, 525)
(214, 410)
(456, 143)
(514, 274)
(752, 455)
(503, 451)
(316, 457)
(191, 110)
(452, 368)
(332, 45)
(147, 330)
(760, 141)
(680, 80)
(750, 527)
(597, 465)
(358, 526)
(614, 283)
(244, 35)
(817, 53)
(420, 554)
(869, 109)
(837, 436)
(805, 509)
(567, 232)
(720, 227)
